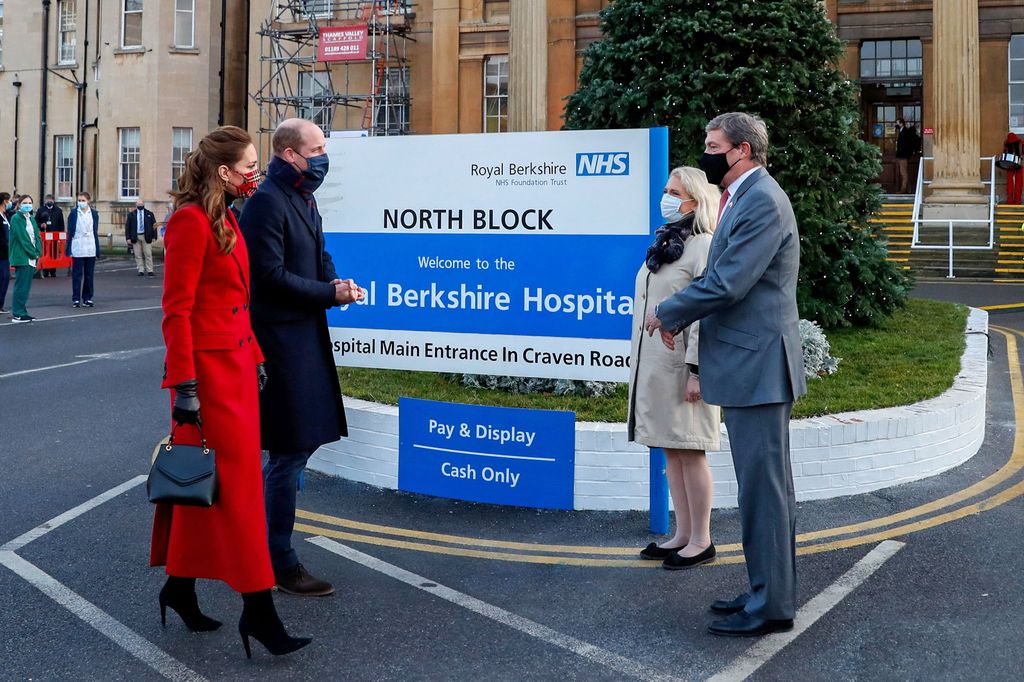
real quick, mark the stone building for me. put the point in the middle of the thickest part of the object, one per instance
(130, 85)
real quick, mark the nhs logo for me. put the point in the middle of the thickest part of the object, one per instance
(602, 163)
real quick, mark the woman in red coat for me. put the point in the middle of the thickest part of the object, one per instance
(214, 368)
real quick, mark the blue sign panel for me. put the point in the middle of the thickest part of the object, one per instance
(499, 455)
(514, 254)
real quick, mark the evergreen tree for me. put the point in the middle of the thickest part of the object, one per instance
(679, 63)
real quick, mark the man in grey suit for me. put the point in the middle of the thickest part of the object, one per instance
(751, 361)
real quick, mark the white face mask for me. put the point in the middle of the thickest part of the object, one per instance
(670, 206)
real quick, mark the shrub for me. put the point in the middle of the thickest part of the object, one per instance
(818, 360)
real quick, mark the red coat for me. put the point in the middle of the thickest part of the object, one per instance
(209, 338)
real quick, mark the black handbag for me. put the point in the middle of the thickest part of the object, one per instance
(184, 474)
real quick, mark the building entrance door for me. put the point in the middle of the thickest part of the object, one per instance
(883, 107)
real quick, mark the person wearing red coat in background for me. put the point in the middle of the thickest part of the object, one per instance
(214, 369)
(1014, 178)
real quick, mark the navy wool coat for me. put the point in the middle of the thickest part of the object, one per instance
(301, 407)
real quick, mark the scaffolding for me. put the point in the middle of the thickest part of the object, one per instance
(370, 94)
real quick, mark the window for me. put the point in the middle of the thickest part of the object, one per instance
(391, 109)
(1017, 83)
(66, 32)
(131, 23)
(181, 145)
(64, 166)
(890, 59)
(315, 91)
(316, 8)
(184, 23)
(128, 163)
(496, 94)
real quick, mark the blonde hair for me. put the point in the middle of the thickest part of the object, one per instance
(695, 182)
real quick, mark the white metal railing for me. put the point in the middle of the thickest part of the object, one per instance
(949, 246)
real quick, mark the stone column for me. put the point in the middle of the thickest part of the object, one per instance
(445, 68)
(528, 65)
(957, 100)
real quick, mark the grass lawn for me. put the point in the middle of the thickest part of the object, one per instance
(915, 355)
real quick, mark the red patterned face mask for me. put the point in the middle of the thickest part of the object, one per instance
(250, 183)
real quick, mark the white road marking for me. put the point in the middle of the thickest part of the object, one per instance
(93, 314)
(71, 514)
(113, 355)
(139, 647)
(760, 653)
(524, 625)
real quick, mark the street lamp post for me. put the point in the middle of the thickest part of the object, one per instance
(17, 102)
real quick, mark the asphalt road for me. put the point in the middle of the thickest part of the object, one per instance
(945, 606)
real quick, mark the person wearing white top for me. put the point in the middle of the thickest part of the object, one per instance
(83, 247)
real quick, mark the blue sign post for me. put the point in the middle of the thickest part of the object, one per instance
(487, 454)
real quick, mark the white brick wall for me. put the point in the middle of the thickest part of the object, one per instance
(834, 455)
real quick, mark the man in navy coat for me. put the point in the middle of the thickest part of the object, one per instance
(293, 285)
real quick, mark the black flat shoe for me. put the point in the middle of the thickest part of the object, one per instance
(742, 624)
(652, 551)
(674, 562)
(730, 606)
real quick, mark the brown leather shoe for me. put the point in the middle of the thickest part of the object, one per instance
(297, 580)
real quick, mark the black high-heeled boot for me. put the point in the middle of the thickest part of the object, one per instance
(179, 594)
(260, 621)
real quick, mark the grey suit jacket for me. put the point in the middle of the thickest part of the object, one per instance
(750, 352)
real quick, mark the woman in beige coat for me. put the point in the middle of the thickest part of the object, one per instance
(665, 406)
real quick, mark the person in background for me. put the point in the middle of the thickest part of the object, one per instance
(908, 146)
(24, 252)
(50, 219)
(9, 206)
(214, 367)
(294, 283)
(83, 247)
(665, 405)
(5, 238)
(140, 232)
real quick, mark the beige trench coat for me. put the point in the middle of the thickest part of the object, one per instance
(659, 416)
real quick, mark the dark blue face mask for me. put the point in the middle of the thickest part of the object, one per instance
(316, 171)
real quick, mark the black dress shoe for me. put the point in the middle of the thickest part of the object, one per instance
(742, 624)
(729, 606)
(675, 562)
(652, 551)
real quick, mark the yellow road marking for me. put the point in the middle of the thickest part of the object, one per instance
(1004, 306)
(475, 553)
(1011, 467)
(460, 540)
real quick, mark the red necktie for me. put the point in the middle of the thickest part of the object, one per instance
(722, 203)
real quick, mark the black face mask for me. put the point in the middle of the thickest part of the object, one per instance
(716, 166)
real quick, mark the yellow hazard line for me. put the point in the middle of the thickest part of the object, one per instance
(1004, 306)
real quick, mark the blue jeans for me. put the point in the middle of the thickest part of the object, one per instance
(280, 481)
(5, 279)
(81, 278)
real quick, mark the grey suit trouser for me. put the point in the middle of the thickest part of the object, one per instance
(759, 439)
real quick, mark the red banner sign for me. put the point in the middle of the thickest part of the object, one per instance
(342, 43)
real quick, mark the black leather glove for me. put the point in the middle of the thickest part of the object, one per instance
(261, 376)
(186, 402)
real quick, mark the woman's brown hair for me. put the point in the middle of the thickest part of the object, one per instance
(200, 183)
